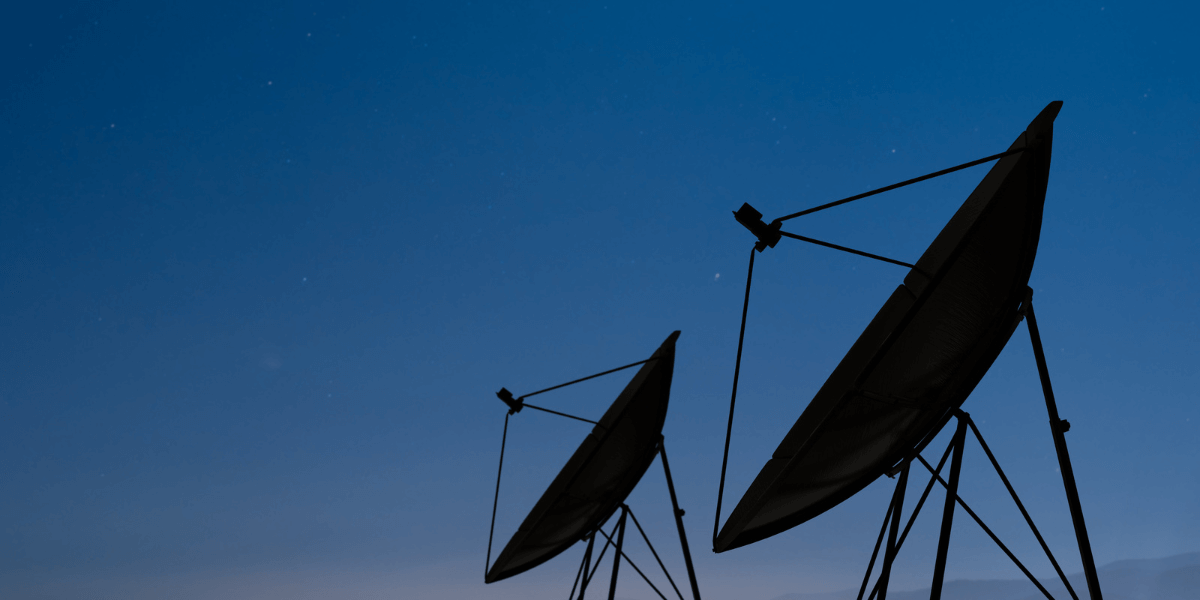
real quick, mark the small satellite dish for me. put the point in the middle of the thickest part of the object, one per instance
(600, 474)
(918, 359)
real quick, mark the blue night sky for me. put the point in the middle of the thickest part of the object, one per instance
(263, 266)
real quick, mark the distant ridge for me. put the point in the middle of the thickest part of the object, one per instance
(1171, 578)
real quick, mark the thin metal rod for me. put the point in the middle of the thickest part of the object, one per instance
(561, 414)
(737, 369)
(1012, 492)
(495, 501)
(583, 567)
(1057, 428)
(646, 538)
(939, 565)
(900, 185)
(992, 535)
(845, 249)
(562, 385)
(887, 518)
(687, 553)
(889, 555)
(612, 586)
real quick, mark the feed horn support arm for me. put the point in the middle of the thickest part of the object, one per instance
(769, 235)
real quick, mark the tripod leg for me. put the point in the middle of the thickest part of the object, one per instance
(612, 588)
(687, 554)
(939, 567)
(889, 555)
(1057, 428)
(887, 518)
(585, 568)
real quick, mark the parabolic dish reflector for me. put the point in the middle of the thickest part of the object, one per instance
(918, 359)
(600, 475)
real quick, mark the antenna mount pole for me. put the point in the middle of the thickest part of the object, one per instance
(584, 567)
(687, 553)
(1058, 427)
(939, 567)
(612, 588)
(889, 554)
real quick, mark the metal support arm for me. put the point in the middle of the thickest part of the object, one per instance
(939, 567)
(687, 553)
(1057, 428)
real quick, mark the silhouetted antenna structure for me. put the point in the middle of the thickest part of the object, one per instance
(595, 482)
(912, 368)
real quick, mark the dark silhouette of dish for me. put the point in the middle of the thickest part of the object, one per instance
(918, 359)
(600, 475)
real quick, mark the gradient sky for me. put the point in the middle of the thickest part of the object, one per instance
(263, 266)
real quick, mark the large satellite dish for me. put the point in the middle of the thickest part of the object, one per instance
(600, 474)
(918, 359)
